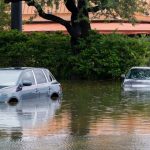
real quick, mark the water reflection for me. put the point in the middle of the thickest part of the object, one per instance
(102, 108)
(89, 102)
(92, 115)
(26, 116)
(130, 115)
(136, 93)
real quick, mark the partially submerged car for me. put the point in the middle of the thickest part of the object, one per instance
(137, 78)
(25, 83)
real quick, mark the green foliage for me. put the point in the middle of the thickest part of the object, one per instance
(107, 56)
(49, 50)
(101, 56)
(124, 9)
(36, 49)
(4, 16)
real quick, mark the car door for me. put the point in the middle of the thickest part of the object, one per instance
(29, 92)
(54, 86)
(42, 84)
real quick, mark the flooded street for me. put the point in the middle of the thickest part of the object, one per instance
(94, 115)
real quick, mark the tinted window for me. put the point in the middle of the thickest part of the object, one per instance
(28, 76)
(48, 75)
(142, 74)
(40, 77)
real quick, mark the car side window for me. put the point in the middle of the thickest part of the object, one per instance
(48, 75)
(28, 75)
(40, 77)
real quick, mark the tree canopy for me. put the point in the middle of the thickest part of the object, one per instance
(79, 24)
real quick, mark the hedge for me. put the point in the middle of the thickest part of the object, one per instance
(101, 56)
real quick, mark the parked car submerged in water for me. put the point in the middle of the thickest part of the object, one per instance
(27, 83)
(137, 78)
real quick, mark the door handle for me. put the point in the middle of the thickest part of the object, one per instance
(36, 90)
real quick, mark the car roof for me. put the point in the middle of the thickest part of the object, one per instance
(140, 68)
(20, 68)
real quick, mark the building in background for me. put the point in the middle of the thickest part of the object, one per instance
(41, 25)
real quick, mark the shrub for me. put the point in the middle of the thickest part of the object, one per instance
(107, 56)
(101, 56)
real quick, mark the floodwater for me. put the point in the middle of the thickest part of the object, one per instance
(94, 115)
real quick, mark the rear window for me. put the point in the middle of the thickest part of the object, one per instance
(40, 77)
(49, 76)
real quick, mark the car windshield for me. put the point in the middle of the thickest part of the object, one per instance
(141, 74)
(9, 77)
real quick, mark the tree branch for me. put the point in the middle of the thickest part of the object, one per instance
(70, 4)
(52, 17)
(93, 9)
(84, 17)
(47, 16)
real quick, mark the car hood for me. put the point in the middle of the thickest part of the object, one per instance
(6, 88)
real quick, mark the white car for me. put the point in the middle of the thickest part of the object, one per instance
(137, 78)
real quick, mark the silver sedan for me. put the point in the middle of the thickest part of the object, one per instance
(27, 83)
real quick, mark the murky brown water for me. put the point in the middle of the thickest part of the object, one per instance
(92, 116)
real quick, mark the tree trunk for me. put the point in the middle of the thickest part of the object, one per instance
(79, 22)
(84, 15)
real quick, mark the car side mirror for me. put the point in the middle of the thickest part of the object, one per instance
(123, 76)
(26, 83)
